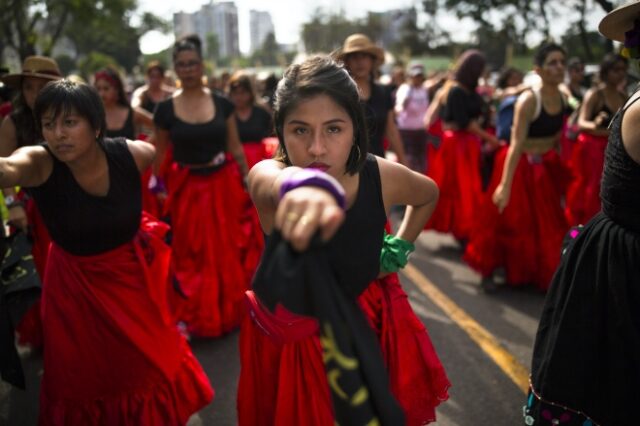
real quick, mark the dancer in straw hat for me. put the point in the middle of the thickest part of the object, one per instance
(361, 58)
(585, 368)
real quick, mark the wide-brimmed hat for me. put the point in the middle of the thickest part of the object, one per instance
(361, 43)
(619, 21)
(34, 66)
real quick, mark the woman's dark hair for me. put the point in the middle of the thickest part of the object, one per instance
(545, 50)
(609, 61)
(242, 81)
(112, 76)
(575, 63)
(505, 76)
(65, 96)
(321, 75)
(469, 68)
(189, 42)
(27, 129)
(155, 65)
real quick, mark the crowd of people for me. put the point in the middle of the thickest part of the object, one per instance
(149, 215)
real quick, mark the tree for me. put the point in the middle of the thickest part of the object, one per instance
(524, 16)
(268, 53)
(213, 47)
(31, 26)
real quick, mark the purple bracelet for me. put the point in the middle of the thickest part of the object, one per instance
(317, 178)
(156, 185)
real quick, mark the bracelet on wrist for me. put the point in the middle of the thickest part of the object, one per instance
(395, 253)
(317, 178)
(156, 185)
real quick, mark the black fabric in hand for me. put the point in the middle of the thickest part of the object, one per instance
(305, 284)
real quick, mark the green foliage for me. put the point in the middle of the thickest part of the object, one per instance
(30, 26)
(269, 52)
(93, 62)
(325, 32)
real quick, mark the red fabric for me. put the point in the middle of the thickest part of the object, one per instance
(254, 152)
(270, 146)
(30, 327)
(526, 238)
(587, 163)
(283, 381)
(217, 243)
(114, 355)
(456, 170)
(5, 109)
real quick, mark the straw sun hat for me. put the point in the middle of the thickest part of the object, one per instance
(34, 66)
(617, 22)
(361, 43)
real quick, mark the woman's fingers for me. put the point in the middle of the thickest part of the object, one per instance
(300, 216)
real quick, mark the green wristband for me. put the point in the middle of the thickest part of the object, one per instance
(395, 253)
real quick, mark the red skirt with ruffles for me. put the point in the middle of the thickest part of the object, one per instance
(254, 152)
(526, 239)
(587, 163)
(283, 380)
(217, 242)
(114, 356)
(456, 170)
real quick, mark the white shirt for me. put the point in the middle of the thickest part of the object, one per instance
(411, 106)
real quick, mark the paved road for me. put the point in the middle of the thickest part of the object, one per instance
(480, 338)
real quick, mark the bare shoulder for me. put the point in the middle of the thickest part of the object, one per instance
(143, 153)
(630, 128)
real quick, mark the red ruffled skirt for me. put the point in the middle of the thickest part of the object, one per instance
(254, 152)
(283, 380)
(587, 163)
(217, 242)
(526, 238)
(114, 356)
(456, 170)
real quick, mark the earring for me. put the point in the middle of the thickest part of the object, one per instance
(358, 151)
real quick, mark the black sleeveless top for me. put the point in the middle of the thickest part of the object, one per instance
(546, 124)
(620, 189)
(148, 103)
(354, 252)
(85, 224)
(255, 128)
(376, 110)
(127, 131)
(195, 143)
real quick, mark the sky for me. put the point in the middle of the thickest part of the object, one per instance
(289, 15)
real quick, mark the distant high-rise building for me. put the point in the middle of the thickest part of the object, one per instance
(217, 19)
(261, 26)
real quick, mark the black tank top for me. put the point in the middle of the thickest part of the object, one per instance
(546, 124)
(85, 224)
(620, 189)
(127, 131)
(148, 103)
(355, 249)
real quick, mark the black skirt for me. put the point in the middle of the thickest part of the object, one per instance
(586, 359)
